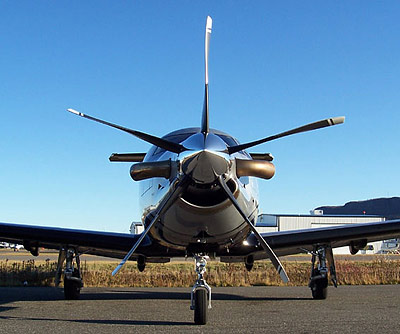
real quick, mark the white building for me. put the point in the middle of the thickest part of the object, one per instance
(275, 223)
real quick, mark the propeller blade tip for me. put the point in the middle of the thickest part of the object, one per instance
(116, 270)
(75, 112)
(285, 279)
(338, 120)
(209, 24)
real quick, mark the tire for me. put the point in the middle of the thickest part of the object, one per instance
(72, 288)
(200, 311)
(319, 288)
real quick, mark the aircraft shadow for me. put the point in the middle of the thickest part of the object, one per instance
(173, 295)
(34, 294)
(53, 294)
(104, 321)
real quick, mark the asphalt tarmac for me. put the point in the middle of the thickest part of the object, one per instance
(348, 309)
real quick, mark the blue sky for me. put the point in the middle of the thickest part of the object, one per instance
(273, 66)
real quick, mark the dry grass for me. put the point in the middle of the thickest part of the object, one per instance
(36, 274)
(177, 274)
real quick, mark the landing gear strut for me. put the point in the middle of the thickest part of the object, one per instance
(319, 274)
(201, 291)
(72, 275)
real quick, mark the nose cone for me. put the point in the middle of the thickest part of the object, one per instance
(205, 167)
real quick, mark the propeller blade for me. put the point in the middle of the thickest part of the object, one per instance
(204, 119)
(165, 144)
(271, 254)
(164, 205)
(308, 127)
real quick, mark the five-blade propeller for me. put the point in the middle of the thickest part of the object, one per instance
(194, 170)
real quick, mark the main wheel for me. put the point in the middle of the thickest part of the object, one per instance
(72, 288)
(319, 288)
(200, 310)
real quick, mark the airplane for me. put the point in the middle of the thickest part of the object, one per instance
(198, 195)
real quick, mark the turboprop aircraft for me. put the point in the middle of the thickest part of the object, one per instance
(199, 199)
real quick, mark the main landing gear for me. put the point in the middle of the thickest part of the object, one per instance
(72, 274)
(201, 292)
(319, 273)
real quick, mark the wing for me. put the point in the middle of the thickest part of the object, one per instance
(109, 244)
(300, 241)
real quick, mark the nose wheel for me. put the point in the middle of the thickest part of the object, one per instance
(201, 292)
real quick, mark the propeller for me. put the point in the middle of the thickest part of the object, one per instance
(204, 119)
(165, 144)
(308, 127)
(271, 254)
(164, 205)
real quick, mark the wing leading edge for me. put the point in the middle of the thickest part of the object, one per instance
(116, 245)
(108, 244)
(300, 241)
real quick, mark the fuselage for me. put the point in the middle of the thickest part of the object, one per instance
(203, 219)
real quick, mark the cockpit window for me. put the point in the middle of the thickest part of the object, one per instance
(158, 150)
(181, 137)
(230, 141)
(178, 138)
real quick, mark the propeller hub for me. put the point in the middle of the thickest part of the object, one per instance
(205, 167)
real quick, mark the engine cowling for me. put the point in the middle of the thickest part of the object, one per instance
(148, 170)
(257, 168)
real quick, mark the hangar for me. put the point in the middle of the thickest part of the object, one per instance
(316, 218)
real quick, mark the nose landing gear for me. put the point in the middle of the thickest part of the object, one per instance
(201, 292)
